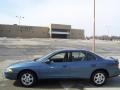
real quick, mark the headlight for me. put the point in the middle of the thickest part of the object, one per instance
(8, 70)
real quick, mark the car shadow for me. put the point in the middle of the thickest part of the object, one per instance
(71, 83)
(57, 84)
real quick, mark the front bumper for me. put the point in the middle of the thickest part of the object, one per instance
(10, 75)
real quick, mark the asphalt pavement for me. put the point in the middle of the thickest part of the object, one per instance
(64, 84)
(13, 50)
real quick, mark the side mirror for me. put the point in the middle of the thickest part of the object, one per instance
(47, 61)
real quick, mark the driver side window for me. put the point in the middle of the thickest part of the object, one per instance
(60, 57)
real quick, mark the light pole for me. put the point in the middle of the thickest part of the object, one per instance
(19, 19)
(94, 29)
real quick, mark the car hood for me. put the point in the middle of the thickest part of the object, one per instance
(23, 64)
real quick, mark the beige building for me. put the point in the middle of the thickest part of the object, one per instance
(53, 31)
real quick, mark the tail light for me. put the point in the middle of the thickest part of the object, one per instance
(117, 62)
(118, 65)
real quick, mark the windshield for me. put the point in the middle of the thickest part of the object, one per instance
(100, 55)
(43, 57)
(47, 55)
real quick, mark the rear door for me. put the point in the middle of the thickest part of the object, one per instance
(81, 64)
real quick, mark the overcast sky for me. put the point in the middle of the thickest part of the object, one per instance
(78, 13)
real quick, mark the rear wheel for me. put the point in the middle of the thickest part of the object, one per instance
(27, 78)
(99, 78)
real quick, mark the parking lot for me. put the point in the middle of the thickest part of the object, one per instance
(14, 50)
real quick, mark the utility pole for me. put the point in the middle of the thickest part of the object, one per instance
(19, 19)
(94, 29)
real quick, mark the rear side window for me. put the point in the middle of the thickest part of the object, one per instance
(78, 56)
(90, 57)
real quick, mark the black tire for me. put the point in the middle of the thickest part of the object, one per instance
(30, 79)
(99, 81)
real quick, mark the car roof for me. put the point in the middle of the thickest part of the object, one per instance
(60, 50)
(75, 50)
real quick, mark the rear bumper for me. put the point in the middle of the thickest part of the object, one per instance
(115, 73)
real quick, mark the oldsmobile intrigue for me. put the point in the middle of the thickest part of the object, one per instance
(64, 64)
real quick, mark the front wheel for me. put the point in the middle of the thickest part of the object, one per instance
(27, 78)
(99, 78)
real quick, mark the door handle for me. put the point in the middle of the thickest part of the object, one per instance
(51, 67)
(64, 66)
(93, 65)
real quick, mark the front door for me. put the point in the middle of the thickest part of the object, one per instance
(58, 67)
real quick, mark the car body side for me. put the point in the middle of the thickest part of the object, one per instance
(45, 71)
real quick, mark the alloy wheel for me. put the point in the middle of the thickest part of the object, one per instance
(27, 79)
(99, 78)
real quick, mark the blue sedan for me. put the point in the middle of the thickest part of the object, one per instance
(64, 64)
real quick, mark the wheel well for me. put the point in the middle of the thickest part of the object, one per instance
(26, 70)
(103, 70)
